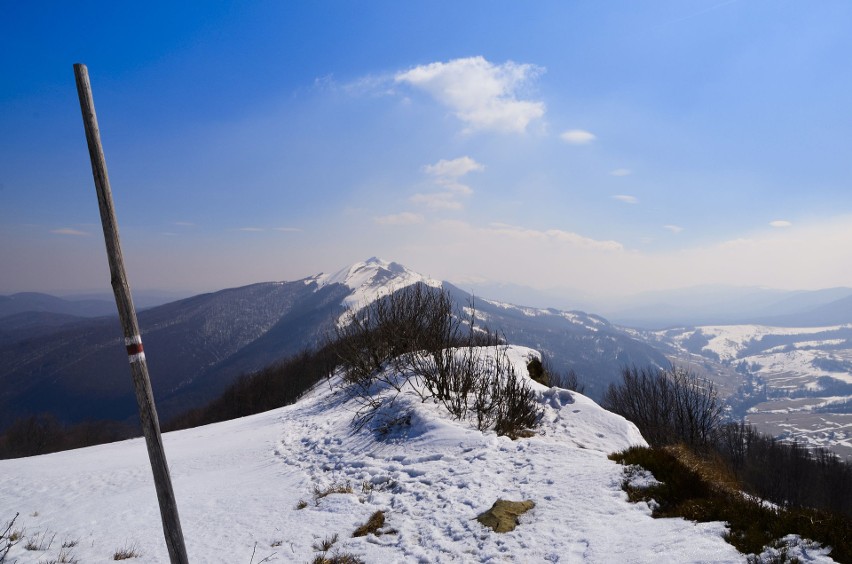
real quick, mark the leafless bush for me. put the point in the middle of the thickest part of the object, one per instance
(517, 410)
(126, 552)
(9, 538)
(414, 318)
(326, 543)
(427, 342)
(333, 488)
(667, 406)
(40, 541)
(570, 381)
(566, 380)
(65, 556)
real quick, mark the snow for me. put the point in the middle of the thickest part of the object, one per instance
(239, 485)
(793, 546)
(728, 341)
(582, 320)
(372, 279)
(805, 345)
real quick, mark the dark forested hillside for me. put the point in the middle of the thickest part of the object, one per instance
(79, 370)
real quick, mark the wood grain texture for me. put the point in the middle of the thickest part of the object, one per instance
(127, 315)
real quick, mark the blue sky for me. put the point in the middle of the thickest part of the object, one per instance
(601, 147)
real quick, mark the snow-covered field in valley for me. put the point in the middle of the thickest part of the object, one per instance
(239, 486)
(800, 377)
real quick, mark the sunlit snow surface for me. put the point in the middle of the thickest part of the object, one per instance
(372, 279)
(728, 341)
(238, 484)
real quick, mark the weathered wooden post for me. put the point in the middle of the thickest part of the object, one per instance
(127, 315)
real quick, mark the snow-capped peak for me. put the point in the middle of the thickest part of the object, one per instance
(373, 278)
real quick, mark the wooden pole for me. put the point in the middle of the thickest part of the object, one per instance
(127, 315)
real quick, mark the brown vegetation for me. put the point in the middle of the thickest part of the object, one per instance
(687, 488)
(416, 338)
(372, 526)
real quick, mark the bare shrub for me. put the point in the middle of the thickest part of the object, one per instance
(667, 406)
(414, 318)
(65, 556)
(326, 543)
(126, 552)
(9, 537)
(337, 558)
(570, 381)
(566, 380)
(416, 338)
(40, 541)
(517, 411)
(333, 488)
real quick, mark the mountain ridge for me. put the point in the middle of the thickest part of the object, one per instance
(301, 473)
(199, 345)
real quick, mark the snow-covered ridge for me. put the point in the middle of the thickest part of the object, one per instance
(372, 279)
(578, 318)
(245, 487)
(728, 341)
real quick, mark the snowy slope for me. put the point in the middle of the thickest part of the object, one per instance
(372, 279)
(731, 342)
(238, 484)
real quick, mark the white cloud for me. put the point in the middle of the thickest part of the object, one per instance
(673, 228)
(621, 172)
(251, 229)
(803, 256)
(69, 231)
(552, 235)
(780, 223)
(437, 201)
(626, 199)
(404, 218)
(446, 174)
(453, 168)
(484, 96)
(457, 187)
(578, 136)
(369, 85)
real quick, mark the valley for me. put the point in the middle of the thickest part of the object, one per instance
(790, 382)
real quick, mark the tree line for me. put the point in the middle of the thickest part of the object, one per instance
(675, 407)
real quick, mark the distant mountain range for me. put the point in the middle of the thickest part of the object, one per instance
(721, 305)
(76, 368)
(699, 305)
(28, 302)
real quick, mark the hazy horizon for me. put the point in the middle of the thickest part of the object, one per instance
(707, 302)
(609, 149)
